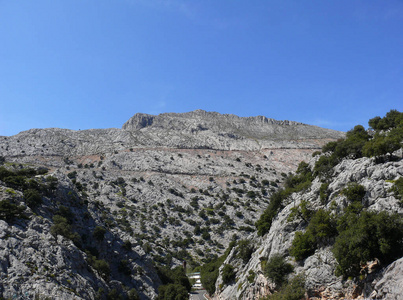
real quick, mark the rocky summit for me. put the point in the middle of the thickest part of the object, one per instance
(111, 213)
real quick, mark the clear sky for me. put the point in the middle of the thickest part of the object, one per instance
(83, 64)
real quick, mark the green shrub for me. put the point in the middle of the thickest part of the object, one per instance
(303, 245)
(264, 223)
(102, 267)
(324, 166)
(293, 183)
(32, 198)
(244, 250)
(366, 236)
(251, 276)
(173, 280)
(127, 245)
(133, 295)
(353, 144)
(251, 194)
(99, 233)
(321, 228)
(324, 192)
(303, 211)
(228, 274)
(294, 290)
(277, 269)
(397, 188)
(61, 227)
(392, 119)
(382, 144)
(9, 211)
(316, 153)
(124, 268)
(329, 147)
(66, 213)
(172, 292)
(209, 271)
(387, 138)
(354, 192)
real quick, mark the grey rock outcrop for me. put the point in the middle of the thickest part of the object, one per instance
(201, 129)
(193, 130)
(390, 285)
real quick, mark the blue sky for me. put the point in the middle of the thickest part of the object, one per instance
(83, 64)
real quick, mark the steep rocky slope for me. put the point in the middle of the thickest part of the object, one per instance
(160, 190)
(384, 281)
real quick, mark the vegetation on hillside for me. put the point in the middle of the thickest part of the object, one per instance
(277, 269)
(384, 137)
(210, 271)
(293, 290)
(23, 180)
(176, 285)
(356, 235)
(301, 181)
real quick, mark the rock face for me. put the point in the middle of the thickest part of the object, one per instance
(319, 268)
(164, 188)
(201, 129)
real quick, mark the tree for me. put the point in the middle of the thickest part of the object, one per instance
(365, 237)
(294, 290)
(99, 233)
(303, 245)
(32, 198)
(321, 227)
(354, 192)
(381, 145)
(228, 274)
(60, 227)
(102, 267)
(209, 271)
(277, 269)
(245, 250)
(172, 292)
(9, 211)
(397, 188)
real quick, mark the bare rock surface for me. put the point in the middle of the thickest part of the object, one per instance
(390, 285)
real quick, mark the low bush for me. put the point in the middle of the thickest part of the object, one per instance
(294, 290)
(32, 198)
(244, 250)
(175, 283)
(324, 192)
(354, 192)
(209, 271)
(293, 183)
(102, 267)
(99, 233)
(397, 188)
(387, 138)
(228, 274)
(10, 211)
(321, 228)
(172, 292)
(277, 269)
